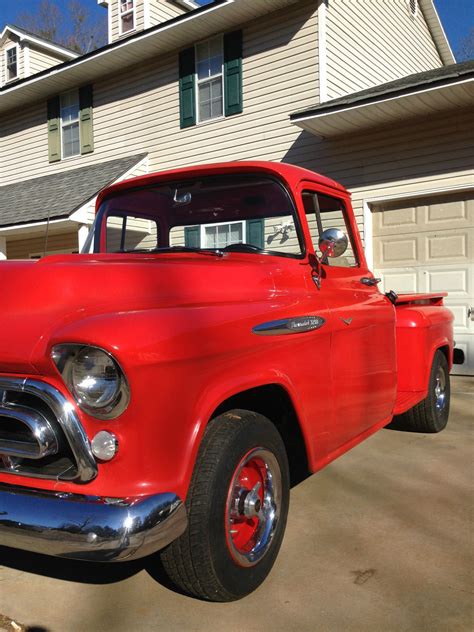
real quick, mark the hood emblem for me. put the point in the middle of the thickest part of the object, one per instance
(347, 321)
(298, 325)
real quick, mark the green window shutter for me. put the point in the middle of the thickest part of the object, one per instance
(54, 134)
(233, 73)
(256, 232)
(187, 88)
(86, 127)
(192, 236)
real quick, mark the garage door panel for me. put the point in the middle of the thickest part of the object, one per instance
(399, 281)
(398, 251)
(448, 280)
(452, 245)
(427, 214)
(427, 245)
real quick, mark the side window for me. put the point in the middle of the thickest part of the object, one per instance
(11, 63)
(323, 212)
(129, 233)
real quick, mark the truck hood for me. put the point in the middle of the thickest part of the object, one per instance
(39, 297)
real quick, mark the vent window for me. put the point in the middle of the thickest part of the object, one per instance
(413, 7)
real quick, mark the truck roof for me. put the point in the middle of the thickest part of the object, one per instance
(290, 173)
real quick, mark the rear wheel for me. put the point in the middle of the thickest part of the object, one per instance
(237, 508)
(431, 414)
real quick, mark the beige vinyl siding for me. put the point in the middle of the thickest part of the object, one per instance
(39, 60)
(374, 41)
(115, 19)
(24, 248)
(162, 10)
(138, 110)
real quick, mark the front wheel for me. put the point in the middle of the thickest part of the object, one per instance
(237, 508)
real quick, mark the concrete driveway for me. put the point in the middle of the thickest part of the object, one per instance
(381, 540)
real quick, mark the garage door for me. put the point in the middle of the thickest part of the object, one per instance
(427, 245)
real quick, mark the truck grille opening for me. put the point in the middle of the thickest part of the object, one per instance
(40, 436)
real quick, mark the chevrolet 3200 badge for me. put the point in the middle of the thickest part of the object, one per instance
(220, 337)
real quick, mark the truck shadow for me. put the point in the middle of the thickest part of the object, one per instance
(83, 572)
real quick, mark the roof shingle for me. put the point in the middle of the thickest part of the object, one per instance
(60, 194)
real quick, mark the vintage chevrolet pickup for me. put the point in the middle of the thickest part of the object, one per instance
(219, 338)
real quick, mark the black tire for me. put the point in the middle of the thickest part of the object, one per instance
(430, 415)
(200, 562)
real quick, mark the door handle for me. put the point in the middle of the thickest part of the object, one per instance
(470, 313)
(370, 280)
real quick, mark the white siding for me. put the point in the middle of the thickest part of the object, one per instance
(40, 60)
(374, 41)
(163, 10)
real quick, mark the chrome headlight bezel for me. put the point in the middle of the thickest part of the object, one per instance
(65, 354)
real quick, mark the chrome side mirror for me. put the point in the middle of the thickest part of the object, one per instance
(332, 243)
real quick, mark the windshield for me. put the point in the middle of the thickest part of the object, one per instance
(242, 213)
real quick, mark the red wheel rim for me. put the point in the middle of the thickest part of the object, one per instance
(253, 506)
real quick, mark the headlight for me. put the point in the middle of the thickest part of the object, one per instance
(94, 378)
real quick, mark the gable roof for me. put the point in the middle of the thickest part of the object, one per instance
(59, 194)
(39, 41)
(438, 34)
(449, 87)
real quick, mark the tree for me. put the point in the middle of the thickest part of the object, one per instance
(71, 25)
(465, 51)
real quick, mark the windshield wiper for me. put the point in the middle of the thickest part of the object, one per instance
(214, 252)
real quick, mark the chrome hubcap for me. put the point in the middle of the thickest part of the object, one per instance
(253, 506)
(440, 389)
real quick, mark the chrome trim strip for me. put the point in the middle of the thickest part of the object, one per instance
(66, 416)
(298, 325)
(42, 440)
(89, 527)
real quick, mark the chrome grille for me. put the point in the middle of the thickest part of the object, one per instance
(41, 434)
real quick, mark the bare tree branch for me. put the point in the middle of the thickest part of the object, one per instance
(71, 25)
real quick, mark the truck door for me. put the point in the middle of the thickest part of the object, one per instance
(362, 362)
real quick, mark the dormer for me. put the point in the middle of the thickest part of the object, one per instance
(126, 17)
(23, 54)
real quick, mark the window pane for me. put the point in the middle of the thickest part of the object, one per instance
(12, 66)
(127, 23)
(202, 51)
(215, 47)
(203, 69)
(71, 144)
(126, 5)
(210, 99)
(215, 65)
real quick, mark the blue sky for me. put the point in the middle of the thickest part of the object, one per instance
(457, 15)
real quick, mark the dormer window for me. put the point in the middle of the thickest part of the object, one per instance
(127, 16)
(11, 63)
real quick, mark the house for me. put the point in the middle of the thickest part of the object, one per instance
(367, 93)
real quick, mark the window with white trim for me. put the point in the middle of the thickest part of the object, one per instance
(11, 63)
(70, 139)
(222, 235)
(126, 16)
(210, 79)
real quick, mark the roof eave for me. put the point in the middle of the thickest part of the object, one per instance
(386, 109)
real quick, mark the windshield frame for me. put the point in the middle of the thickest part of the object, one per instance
(95, 239)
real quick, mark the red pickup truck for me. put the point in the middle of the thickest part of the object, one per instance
(220, 337)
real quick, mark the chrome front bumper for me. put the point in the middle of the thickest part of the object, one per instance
(88, 527)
